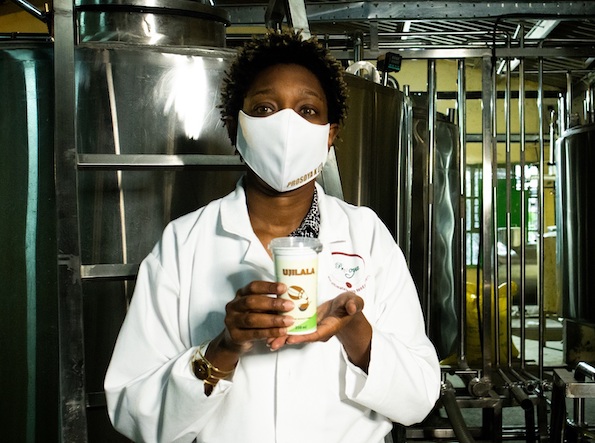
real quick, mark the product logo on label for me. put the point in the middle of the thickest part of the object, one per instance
(303, 271)
(299, 295)
(348, 273)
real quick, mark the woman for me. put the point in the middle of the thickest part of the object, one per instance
(193, 360)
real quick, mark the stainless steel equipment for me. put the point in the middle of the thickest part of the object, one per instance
(574, 216)
(441, 288)
(150, 146)
(367, 148)
(373, 165)
(28, 298)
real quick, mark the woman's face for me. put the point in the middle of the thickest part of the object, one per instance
(289, 86)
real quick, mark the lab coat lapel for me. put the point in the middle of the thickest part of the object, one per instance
(334, 234)
(236, 222)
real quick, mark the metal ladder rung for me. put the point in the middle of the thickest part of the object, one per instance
(118, 271)
(159, 161)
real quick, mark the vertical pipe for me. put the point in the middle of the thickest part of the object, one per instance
(487, 216)
(432, 95)
(407, 168)
(494, 237)
(562, 124)
(116, 134)
(358, 47)
(73, 417)
(540, 295)
(507, 117)
(523, 215)
(589, 99)
(579, 411)
(568, 99)
(31, 242)
(552, 147)
(462, 121)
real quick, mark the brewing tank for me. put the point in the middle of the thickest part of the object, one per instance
(378, 170)
(147, 75)
(434, 263)
(575, 218)
(28, 301)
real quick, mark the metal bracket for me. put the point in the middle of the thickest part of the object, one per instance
(294, 10)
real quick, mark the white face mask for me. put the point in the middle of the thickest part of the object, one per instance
(284, 149)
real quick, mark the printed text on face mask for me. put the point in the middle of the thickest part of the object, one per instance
(305, 177)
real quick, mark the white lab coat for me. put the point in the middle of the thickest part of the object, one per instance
(308, 393)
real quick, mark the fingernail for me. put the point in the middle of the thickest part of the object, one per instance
(288, 321)
(288, 305)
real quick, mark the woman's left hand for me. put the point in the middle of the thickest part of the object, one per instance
(333, 316)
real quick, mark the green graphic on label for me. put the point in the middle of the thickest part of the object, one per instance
(305, 327)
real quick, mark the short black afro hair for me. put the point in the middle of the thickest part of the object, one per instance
(283, 47)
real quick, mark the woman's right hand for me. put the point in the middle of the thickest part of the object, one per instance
(256, 313)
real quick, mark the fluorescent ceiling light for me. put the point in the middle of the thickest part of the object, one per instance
(541, 29)
(406, 27)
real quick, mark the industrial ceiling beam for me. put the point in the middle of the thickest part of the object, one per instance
(252, 14)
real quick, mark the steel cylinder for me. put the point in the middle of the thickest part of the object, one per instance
(575, 215)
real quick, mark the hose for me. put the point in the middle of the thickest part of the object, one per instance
(459, 427)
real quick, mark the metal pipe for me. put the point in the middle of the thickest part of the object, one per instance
(583, 370)
(568, 99)
(507, 116)
(358, 47)
(589, 104)
(408, 106)
(541, 228)
(523, 215)
(553, 120)
(73, 415)
(519, 394)
(28, 7)
(462, 122)
(488, 196)
(457, 421)
(496, 292)
(430, 174)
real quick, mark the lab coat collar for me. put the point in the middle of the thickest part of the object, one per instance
(236, 222)
(334, 226)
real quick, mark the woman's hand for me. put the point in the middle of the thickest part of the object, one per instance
(343, 317)
(256, 315)
(332, 316)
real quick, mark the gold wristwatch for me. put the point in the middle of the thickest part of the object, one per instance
(204, 370)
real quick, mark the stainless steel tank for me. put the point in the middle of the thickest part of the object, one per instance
(367, 148)
(28, 298)
(575, 217)
(374, 168)
(434, 265)
(148, 76)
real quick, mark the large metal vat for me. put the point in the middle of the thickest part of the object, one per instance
(367, 148)
(147, 85)
(147, 76)
(435, 264)
(375, 169)
(575, 218)
(28, 298)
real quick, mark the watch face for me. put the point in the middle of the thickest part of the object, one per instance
(201, 369)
